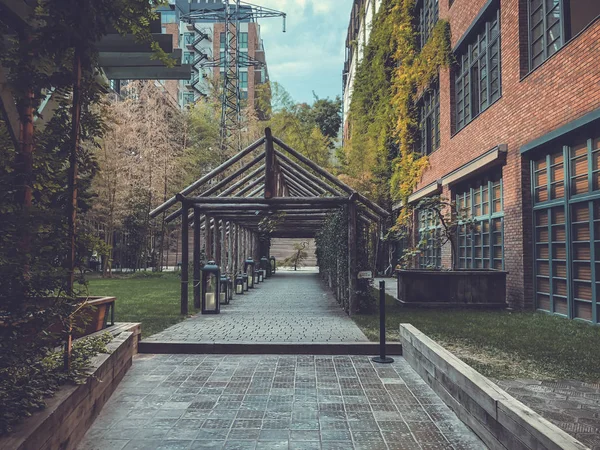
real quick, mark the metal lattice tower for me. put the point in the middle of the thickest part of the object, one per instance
(231, 14)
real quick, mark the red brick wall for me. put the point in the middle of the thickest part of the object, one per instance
(565, 87)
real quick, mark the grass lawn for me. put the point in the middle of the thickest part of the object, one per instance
(152, 299)
(503, 344)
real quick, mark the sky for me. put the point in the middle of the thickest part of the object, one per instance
(309, 56)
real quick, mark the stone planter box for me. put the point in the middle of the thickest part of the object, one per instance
(452, 288)
(68, 415)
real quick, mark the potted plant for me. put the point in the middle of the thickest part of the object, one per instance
(434, 285)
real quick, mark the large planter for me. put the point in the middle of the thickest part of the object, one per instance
(452, 288)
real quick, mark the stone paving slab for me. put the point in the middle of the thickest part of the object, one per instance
(573, 406)
(288, 307)
(275, 402)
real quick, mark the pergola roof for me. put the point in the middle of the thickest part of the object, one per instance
(271, 178)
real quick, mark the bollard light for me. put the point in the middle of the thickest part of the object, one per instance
(229, 288)
(210, 288)
(239, 284)
(265, 266)
(273, 264)
(245, 278)
(249, 269)
(261, 275)
(223, 295)
(256, 277)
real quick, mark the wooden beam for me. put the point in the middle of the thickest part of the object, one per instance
(352, 255)
(241, 182)
(185, 259)
(296, 168)
(300, 179)
(196, 184)
(312, 191)
(9, 109)
(369, 203)
(197, 246)
(317, 201)
(270, 182)
(220, 184)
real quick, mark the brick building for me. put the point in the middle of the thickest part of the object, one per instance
(512, 134)
(512, 131)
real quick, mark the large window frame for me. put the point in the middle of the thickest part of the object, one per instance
(429, 233)
(429, 120)
(427, 14)
(481, 245)
(243, 80)
(547, 19)
(243, 40)
(477, 76)
(566, 225)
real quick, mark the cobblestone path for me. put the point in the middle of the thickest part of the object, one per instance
(274, 402)
(288, 307)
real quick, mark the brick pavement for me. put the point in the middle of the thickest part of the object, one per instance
(573, 406)
(274, 402)
(288, 307)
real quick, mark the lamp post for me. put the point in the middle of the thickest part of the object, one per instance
(223, 288)
(273, 264)
(239, 284)
(245, 278)
(265, 266)
(210, 288)
(249, 269)
(229, 288)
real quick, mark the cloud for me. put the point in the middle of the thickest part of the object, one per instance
(310, 55)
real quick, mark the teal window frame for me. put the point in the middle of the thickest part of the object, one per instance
(429, 120)
(475, 241)
(243, 80)
(188, 97)
(477, 74)
(428, 12)
(168, 17)
(243, 40)
(552, 32)
(553, 195)
(429, 232)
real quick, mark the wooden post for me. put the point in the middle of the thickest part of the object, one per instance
(185, 259)
(230, 248)
(209, 238)
(224, 246)
(235, 257)
(270, 186)
(352, 274)
(217, 238)
(196, 283)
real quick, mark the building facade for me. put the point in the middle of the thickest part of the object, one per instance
(512, 132)
(359, 29)
(203, 46)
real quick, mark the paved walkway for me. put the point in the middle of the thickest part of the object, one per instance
(288, 307)
(274, 402)
(573, 406)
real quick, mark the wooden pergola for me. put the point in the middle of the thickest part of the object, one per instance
(257, 183)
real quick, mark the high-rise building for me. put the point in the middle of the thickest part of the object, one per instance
(203, 46)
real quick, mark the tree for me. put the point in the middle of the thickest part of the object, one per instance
(327, 115)
(297, 259)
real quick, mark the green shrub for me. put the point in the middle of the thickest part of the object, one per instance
(27, 383)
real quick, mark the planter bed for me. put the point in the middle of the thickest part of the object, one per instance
(452, 288)
(68, 415)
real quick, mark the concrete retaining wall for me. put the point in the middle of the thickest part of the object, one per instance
(499, 420)
(68, 415)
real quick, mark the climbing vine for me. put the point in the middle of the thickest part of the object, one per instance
(383, 117)
(332, 254)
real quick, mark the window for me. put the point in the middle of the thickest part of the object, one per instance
(566, 194)
(243, 40)
(244, 95)
(188, 57)
(429, 120)
(429, 238)
(481, 246)
(168, 16)
(188, 38)
(188, 97)
(243, 80)
(427, 14)
(477, 76)
(222, 58)
(554, 22)
(222, 40)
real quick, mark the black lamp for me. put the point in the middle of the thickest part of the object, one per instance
(249, 269)
(266, 266)
(210, 288)
(245, 278)
(239, 284)
(223, 294)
